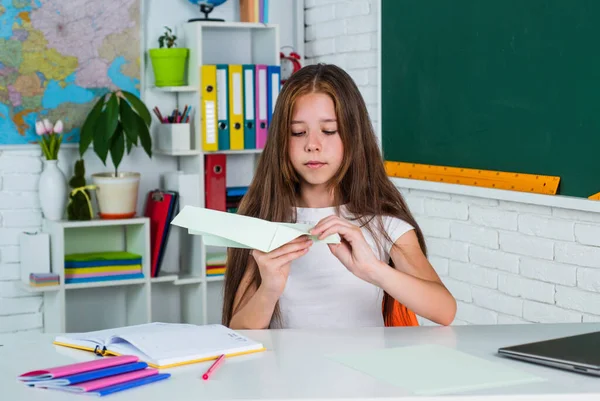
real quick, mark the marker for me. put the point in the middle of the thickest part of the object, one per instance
(213, 367)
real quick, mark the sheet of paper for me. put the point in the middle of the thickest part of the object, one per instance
(238, 231)
(434, 369)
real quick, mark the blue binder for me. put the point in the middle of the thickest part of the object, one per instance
(273, 87)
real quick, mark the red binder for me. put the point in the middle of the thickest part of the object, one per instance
(160, 207)
(215, 190)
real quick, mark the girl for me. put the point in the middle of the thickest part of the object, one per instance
(321, 165)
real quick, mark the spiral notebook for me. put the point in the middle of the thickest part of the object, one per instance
(164, 345)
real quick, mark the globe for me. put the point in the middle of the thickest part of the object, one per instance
(206, 7)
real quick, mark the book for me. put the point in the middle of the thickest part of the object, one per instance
(238, 231)
(164, 345)
(98, 259)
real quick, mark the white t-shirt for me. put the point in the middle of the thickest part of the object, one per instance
(321, 292)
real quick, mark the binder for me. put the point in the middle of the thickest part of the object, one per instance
(223, 106)
(249, 108)
(208, 78)
(261, 105)
(274, 84)
(215, 182)
(236, 107)
(160, 207)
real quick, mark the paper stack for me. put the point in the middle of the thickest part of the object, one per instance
(215, 264)
(102, 266)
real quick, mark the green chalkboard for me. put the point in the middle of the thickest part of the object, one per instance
(509, 85)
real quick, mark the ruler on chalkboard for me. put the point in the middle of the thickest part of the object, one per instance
(543, 184)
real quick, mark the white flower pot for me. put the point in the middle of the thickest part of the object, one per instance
(117, 195)
(52, 189)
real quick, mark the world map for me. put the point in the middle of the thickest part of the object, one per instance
(57, 57)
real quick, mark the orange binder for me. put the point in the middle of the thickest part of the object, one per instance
(214, 182)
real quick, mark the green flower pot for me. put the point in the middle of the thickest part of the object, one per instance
(169, 66)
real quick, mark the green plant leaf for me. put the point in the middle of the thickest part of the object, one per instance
(129, 144)
(128, 120)
(111, 117)
(117, 147)
(146, 140)
(101, 144)
(139, 107)
(87, 130)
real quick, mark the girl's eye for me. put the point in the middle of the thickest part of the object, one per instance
(298, 133)
(330, 132)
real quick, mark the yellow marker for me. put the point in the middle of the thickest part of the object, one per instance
(542, 184)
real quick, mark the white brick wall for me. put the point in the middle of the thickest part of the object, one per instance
(344, 32)
(508, 263)
(19, 211)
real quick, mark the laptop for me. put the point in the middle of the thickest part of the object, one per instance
(579, 353)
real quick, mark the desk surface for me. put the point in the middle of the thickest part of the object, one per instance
(294, 366)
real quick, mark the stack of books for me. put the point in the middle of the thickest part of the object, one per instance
(97, 377)
(102, 266)
(43, 279)
(215, 264)
(233, 197)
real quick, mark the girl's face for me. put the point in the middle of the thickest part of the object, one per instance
(315, 146)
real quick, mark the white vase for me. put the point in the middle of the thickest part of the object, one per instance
(52, 191)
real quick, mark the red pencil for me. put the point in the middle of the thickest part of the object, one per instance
(213, 367)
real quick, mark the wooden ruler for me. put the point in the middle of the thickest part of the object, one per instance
(596, 196)
(543, 184)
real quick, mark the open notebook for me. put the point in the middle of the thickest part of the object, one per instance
(164, 345)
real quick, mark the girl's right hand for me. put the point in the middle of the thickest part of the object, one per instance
(274, 266)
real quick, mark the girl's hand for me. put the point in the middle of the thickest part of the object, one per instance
(353, 251)
(274, 266)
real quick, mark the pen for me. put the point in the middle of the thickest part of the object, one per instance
(213, 367)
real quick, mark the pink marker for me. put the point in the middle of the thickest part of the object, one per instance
(213, 367)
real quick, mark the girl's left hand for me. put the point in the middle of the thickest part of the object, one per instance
(353, 251)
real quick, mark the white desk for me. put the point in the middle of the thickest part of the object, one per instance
(293, 367)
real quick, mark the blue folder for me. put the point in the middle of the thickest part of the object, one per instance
(104, 278)
(125, 386)
(92, 375)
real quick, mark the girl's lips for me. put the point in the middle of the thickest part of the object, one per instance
(314, 164)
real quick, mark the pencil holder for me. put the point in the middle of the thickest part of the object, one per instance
(174, 136)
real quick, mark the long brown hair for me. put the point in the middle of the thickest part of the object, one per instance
(361, 184)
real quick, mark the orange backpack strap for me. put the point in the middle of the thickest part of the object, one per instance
(400, 316)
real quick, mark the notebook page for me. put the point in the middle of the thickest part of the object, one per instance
(175, 343)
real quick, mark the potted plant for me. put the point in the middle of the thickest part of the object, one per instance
(118, 121)
(169, 61)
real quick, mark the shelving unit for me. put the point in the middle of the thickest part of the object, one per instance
(103, 304)
(196, 297)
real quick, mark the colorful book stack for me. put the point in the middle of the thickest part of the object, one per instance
(97, 377)
(102, 266)
(233, 197)
(215, 264)
(43, 279)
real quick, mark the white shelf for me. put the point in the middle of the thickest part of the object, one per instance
(215, 278)
(164, 279)
(196, 152)
(183, 88)
(97, 222)
(184, 280)
(111, 283)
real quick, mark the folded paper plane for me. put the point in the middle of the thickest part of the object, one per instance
(238, 231)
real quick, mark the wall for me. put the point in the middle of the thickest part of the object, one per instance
(344, 33)
(20, 166)
(505, 261)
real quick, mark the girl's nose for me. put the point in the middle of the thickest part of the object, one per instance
(313, 144)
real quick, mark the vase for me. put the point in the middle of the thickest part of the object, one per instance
(52, 191)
